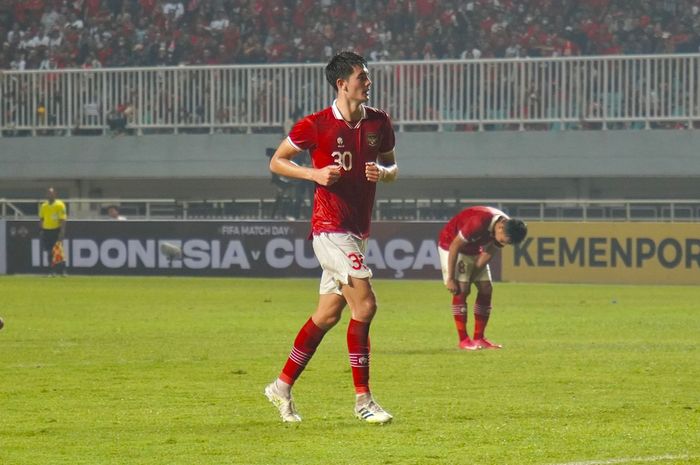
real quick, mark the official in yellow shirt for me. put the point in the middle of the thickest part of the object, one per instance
(52, 219)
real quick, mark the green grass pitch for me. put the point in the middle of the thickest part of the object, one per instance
(107, 370)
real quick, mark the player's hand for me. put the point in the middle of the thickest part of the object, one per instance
(452, 286)
(373, 172)
(327, 175)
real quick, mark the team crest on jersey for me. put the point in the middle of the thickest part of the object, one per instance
(372, 139)
(339, 140)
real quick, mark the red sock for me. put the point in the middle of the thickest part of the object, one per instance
(305, 344)
(459, 312)
(482, 311)
(358, 349)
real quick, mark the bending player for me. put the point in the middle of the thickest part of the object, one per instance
(466, 245)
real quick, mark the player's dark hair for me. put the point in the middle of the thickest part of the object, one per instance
(516, 230)
(342, 66)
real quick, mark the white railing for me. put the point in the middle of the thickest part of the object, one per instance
(677, 210)
(556, 93)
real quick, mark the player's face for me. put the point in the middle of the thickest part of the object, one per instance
(358, 84)
(500, 236)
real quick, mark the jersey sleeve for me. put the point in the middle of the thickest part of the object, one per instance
(303, 135)
(472, 229)
(388, 138)
(62, 211)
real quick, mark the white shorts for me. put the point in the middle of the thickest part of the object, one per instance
(340, 255)
(465, 265)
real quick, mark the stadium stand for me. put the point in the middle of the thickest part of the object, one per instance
(213, 74)
(55, 34)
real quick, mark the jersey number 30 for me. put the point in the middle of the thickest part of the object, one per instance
(343, 159)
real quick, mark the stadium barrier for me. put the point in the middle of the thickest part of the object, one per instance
(404, 209)
(594, 92)
(620, 253)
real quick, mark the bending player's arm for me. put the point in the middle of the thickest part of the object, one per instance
(282, 164)
(482, 260)
(452, 284)
(385, 170)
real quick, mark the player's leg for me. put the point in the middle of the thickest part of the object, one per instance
(330, 306)
(459, 301)
(363, 305)
(482, 310)
(342, 255)
(327, 314)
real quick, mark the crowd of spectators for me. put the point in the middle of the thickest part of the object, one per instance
(49, 34)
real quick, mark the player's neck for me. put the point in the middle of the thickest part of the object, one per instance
(349, 109)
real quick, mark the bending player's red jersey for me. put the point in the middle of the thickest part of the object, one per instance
(474, 225)
(346, 205)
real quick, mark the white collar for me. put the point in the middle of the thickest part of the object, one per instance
(339, 115)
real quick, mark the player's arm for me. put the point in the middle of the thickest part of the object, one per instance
(452, 255)
(282, 164)
(62, 222)
(385, 170)
(482, 260)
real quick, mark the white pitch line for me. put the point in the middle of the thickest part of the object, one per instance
(658, 458)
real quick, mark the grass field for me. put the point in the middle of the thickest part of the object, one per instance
(171, 371)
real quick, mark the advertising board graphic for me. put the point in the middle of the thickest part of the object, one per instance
(622, 253)
(219, 248)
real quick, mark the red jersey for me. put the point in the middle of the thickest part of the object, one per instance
(346, 205)
(474, 226)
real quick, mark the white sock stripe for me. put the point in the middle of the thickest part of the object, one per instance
(358, 360)
(299, 357)
(482, 309)
(459, 309)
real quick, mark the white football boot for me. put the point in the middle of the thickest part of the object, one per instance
(372, 412)
(284, 404)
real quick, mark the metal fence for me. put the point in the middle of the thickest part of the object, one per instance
(389, 210)
(603, 92)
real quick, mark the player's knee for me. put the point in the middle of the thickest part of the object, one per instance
(328, 321)
(366, 309)
(485, 287)
(328, 316)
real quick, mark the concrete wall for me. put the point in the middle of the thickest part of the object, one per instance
(573, 164)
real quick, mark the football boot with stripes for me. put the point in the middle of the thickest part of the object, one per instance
(372, 412)
(284, 404)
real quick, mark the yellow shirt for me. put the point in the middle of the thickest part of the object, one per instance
(52, 214)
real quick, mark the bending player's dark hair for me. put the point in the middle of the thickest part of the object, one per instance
(516, 230)
(341, 66)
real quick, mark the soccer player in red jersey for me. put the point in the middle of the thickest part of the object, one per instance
(352, 148)
(466, 245)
